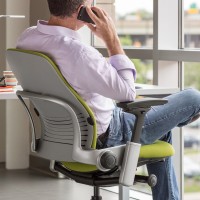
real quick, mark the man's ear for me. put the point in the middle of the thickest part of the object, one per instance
(79, 8)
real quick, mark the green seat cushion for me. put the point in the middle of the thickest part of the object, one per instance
(159, 149)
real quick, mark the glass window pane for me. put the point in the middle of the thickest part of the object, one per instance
(144, 71)
(133, 20)
(192, 23)
(192, 140)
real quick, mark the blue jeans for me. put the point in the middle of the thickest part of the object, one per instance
(159, 122)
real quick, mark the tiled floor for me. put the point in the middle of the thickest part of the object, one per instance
(33, 185)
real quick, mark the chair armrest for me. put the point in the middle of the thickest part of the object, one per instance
(139, 108)
(141, 103)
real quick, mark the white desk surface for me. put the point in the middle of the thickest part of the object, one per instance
(144, 90)
(154, 90)
(7, 95)
(10, 95)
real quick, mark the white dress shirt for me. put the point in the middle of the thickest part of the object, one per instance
(97, 80)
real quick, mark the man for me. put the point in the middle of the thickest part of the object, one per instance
(99, 81)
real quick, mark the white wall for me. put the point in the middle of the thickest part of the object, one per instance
(2, 67)
(17, 125)
(38, 10)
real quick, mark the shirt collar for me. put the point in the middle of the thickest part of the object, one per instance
(43, 27)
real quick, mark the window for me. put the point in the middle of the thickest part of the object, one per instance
(165, 36)
(134, 26)
(144, 70)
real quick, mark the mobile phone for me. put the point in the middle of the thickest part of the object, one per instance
(83, 15)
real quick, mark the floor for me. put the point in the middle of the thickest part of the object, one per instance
(33, 185)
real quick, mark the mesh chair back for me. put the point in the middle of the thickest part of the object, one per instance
(37, 73)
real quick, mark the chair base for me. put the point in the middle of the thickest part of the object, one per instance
(96, 180)
(96, 198)
(96, 194)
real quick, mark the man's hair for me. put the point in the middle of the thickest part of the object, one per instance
(64, 8)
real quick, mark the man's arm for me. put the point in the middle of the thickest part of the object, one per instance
(118, 77)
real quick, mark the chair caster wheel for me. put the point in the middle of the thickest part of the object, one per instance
(152, 180)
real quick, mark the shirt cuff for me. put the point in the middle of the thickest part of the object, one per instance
(121, 62)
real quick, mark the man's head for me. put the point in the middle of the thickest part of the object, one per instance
(64, 8)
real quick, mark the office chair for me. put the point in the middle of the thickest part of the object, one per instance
(69, 132)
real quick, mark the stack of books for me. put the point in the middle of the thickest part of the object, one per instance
(6, 89)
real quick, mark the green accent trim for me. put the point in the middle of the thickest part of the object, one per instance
(159, 149)
(41, 54)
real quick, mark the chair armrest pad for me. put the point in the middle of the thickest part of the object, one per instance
(139, 108)
(141, 103)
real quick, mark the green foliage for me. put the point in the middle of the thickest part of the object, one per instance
(193, 5)
(191, 151)
(144, 69)
(192, 75)
(143, 14)
(126, 40)
(192, 185)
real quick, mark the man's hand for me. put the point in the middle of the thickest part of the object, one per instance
(104, 28)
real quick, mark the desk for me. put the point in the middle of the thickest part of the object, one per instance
(10, 95)
(154, 90)
(17, 125)
(143, 90)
